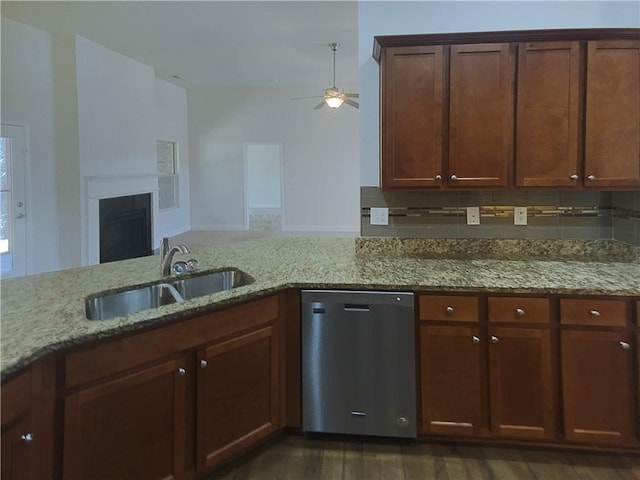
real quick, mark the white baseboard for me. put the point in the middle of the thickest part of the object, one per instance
(320, 228)
(219, 228)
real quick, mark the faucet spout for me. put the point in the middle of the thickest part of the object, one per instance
(167, 253)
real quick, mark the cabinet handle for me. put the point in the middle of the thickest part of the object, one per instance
(449, 309)
(594, 313)
(28, 437)
(574, 177)
(625, 345)
(182, 372)
(494, 339)
(591, 177)
(438, 177)
(454, 177)
(475, 339)
(519, 312)
(203, 363)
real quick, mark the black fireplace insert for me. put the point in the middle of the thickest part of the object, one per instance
(125, 227)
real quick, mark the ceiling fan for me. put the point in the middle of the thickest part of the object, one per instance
(334, 97)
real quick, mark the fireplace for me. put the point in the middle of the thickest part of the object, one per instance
(125, 227)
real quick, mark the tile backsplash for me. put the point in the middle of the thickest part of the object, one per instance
(550, 214)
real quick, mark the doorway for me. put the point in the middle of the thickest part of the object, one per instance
(13, 210)
(263, 187)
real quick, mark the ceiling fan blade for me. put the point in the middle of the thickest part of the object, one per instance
(351, 103)
(320, 105)
(303, 98)
(352, 95)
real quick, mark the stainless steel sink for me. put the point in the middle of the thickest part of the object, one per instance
(165, 292)
(206, 284)
(101, 307)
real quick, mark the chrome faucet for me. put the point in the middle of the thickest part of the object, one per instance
(167, 253)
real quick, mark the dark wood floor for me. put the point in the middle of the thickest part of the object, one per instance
(296, 457)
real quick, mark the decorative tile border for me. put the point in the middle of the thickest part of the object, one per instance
(551, 214)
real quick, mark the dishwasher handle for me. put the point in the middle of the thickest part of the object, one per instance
(355, 307)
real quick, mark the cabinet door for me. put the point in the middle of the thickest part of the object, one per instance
(412, 97)
(547, 114)
(481, 115)
(451, 395)
(598, 387)
(238, 395)
(612, 143)
(131, 427)
(18, 455)
(520, 382)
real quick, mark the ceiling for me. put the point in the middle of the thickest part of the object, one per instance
(213, 43)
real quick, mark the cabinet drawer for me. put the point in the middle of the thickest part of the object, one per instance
(519, 309)
(449, 307)
(611, 313)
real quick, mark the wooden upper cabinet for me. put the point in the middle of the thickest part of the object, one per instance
(412, 86)
(547, 114)
(612, 136)
(481, 115)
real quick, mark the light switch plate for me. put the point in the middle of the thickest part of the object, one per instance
(519, 215)
(473, 215)
(379, 216)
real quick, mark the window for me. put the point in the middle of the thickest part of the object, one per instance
(167, 157)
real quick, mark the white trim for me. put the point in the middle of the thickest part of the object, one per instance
(319, 228)
(255, 207)
(245, 169)
(107, 186)
(219, 228)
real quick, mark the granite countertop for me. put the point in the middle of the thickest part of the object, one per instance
(46, 313)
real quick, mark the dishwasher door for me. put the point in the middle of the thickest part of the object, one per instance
(358, 363)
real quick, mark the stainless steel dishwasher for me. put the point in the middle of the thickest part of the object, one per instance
(358, 363)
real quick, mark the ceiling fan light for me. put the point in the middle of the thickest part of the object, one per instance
(333, 102)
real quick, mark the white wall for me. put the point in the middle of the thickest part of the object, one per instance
(395, 18)
(319, 149)
(27, 97)
(171, 125)
(90, 112)
(116, 108)
(263, 175)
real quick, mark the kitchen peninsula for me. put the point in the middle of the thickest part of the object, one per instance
(44, 323)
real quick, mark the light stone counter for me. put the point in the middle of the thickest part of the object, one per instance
(46, 313)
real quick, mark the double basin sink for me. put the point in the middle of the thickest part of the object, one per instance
(107, 305)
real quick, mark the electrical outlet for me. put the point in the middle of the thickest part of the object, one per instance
(473, 215)
(379, 216)
(519, 215)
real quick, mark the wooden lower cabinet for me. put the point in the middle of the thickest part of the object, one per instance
(599, 397)
(520, 381)
(237, 395)
(450, 383)
(130, 428)
(26, 443)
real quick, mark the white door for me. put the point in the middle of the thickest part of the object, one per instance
(13, 211)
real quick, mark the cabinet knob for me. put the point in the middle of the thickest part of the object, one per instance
(454, 177)
(203, 363)
(494, 339)
(574, 177)
(594, 313)
(475, 339)
(449, 309)
(625, 345)
(28, 437)
(519, 312)
(438, 177)
(182, 372)
(591, 177)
